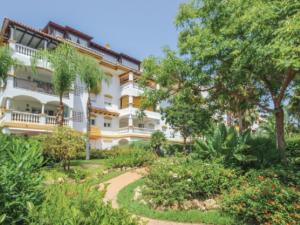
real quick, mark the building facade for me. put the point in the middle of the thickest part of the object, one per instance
(28, 104)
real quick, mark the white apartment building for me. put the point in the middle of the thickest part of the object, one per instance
(28, 104)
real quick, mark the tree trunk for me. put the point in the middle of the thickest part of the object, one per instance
(241, 122)
(88, 128)
(184, 144)
(280, 142)
(60, 114)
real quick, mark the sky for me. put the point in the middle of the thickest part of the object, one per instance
(138, 28)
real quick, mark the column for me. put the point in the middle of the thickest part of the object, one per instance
(70, 117)
(130, 76)
(42, 115)
(8, 112)
(8, 104)
(12, 34)
(45, 44)
(130, 123)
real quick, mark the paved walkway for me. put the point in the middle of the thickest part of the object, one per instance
(116, 184)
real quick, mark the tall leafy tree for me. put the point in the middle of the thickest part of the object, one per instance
(179, 93)
(92, 76)
(6, 62)
(64, 60)
(253, 40)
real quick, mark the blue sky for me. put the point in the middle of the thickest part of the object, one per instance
(136, 27)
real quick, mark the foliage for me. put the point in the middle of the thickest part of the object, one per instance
(175, 180)
(126, 200)
(263, 149)
(20, 179)
(226, 144)
(6, 62)
(63, 144)
(293, 149)
(126, 156)
(158, 138)
(64, 61)
(92, 76)
(263, 200)
(71, 203)
(250, 45)
(184, 107)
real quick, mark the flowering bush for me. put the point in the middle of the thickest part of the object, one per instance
(264, 201)
(173, 181)
(269, 196)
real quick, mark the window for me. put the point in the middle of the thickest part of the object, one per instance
(78, 89)
(107, 122)
(77, 116)
(140, 125)
(107, 100)
(93, 121)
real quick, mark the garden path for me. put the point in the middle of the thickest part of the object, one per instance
(116, 184)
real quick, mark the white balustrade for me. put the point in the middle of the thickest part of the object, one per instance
(51, 120)
(25, 117)
(25, 50)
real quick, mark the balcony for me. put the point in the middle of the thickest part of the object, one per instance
(136, 130)
(24, 120)
(35, 85)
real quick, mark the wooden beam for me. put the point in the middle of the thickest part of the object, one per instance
(21, 39)
(37, 45)
(28, 44)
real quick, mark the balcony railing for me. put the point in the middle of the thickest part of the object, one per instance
(138, 130)
(52, 120)
(25, 50)
(38, 86)
(27, 117)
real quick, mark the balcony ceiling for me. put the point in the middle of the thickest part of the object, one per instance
(30, 39)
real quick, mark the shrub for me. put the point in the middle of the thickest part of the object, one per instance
(126, 156)
(176, 180)
(264, 201)
(226, 144)
(20, 180)
(63, 144)
(263, 148)
(73, 204)
(158, 138)
(293, 149)
(94, 154)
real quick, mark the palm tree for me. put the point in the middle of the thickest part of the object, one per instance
(92, 76)
(6, 62)
(64, 62)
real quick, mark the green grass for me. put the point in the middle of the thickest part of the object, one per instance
(125, 200)
(93, 170)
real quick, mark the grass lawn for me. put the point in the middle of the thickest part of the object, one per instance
(96, 171)
(125, 200)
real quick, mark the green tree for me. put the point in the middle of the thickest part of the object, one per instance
(64, 60)
(6, 62)
(63, 144)
(252, 40)
(92, 76)
(179, 92)
(294, 107)
(158, 138)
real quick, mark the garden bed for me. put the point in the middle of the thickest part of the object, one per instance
(126, 200)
